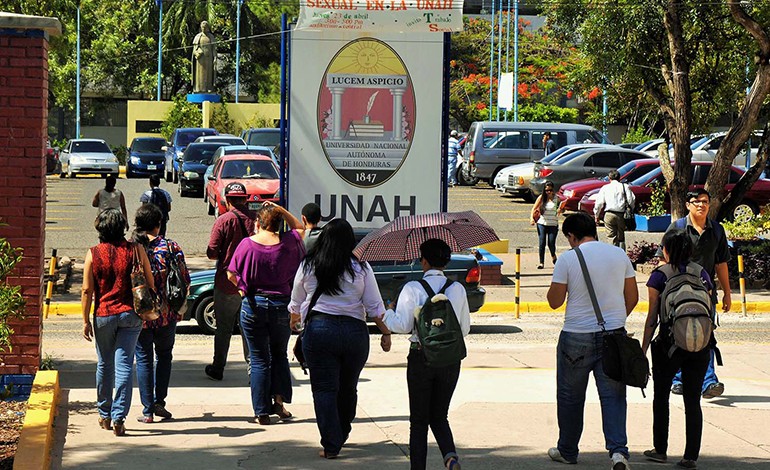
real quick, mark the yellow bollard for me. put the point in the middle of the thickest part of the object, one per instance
(49, 288)
(742, 284)
(518, 282)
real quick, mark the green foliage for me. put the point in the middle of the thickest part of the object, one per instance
(182, 114)
(47, 362)
(258, 120)
(754, 228)
(121, 153)
(539, 112)
(11, 301)
(636, 134)
(656, 206)
(220, 120)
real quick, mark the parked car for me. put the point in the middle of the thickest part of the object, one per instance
(572, 193)
(705, 148)
(180, 139)
(241, 150)
(145, 157)
(756, 197)
(52, 164)
(228, 139)
(88, 156)
(494, 145)
(629, 145)
(194, 161)
(650, 147)
(391, 277)
(263, 136)
(583, 164)
(258, 174)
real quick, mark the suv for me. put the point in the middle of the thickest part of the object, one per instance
(180, 139)
(265, 137)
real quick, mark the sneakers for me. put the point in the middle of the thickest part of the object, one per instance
(555, 455)
(686, 463)
(264, 420)
(676, 389)
(160, 410)
(619, 462)
(714, 390)
(213, 373)
(655, 456)
(146, 419)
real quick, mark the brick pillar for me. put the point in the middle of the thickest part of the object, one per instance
(23, 133)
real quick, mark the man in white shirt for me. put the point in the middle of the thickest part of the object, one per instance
(614, 198)
(430, 388)
(579, 351)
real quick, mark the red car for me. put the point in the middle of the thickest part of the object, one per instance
(573, 192)
(756, 197)
(257, 172)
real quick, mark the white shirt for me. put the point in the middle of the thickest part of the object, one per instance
(412, 298)
(609, 267)
(610, 198)
(360, 296)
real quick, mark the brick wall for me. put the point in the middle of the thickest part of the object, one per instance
(23, 132)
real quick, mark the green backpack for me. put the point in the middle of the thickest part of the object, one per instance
(439, 329)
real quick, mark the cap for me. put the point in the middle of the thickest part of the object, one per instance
(453, 133)
(235, 190)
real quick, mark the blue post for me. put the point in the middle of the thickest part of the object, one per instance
(238, 51)
(516, 61)
(507, 42)
(77, 80)
(160, 45)
(499, 51)
(604, 110)
(748, 145)
(284, 199)
(491, 58)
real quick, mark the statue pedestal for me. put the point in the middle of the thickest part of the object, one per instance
(199, 98)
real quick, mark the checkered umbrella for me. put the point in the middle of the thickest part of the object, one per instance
(400, 240)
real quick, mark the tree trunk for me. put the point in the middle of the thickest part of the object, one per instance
(748, 179)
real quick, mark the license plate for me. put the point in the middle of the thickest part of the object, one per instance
(152, 167)
(255, 206)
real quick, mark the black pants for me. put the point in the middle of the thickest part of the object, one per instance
(693, 366)
(430, 391)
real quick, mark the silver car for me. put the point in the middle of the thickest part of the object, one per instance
(88, 156)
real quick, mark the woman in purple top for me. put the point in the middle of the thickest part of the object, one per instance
(263, 268)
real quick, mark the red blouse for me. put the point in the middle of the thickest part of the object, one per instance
(111, 265)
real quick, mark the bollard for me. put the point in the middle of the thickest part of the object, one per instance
(518, 282)
(742, 284)
(49, 288)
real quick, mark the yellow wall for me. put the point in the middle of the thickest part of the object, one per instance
(240, 113)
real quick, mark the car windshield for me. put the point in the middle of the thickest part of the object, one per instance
(257, 169)
(90, 147)
(646, 177)
(148, 146)
(185, 138)
(226, 140)
(265, 139)
(243, 150)
(199, 154)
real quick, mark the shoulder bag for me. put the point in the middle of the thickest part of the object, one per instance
(299, 354)
(628, 213)
(622, 357)
(145, 303)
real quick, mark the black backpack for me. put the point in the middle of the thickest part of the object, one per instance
(439, 330)
(176, 284)
(159, 199)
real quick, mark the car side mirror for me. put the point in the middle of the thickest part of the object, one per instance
(164, 148)
(212, 178)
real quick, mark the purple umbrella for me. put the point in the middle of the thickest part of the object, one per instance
(400, 240)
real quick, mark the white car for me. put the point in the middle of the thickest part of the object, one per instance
(228, 139)
(88, 156)
(705, 148)
(650, 147)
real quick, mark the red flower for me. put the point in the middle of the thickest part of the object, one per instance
(594, 93)
(481, 105)
(569, 94)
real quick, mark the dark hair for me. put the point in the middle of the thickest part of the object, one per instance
(154, 181)
(148, 217)
(436, 252)
(697, 192)
(312, 212)
(332, 256)
(614, 175)
(109, 183)
(111, 226)
(678, 245)
(269, 218)
(547, 133)
(546, 185)
(580, 225)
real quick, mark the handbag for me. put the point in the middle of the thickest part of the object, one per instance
(622, 357)
(145, 303)
(299, 354)
(628, 213)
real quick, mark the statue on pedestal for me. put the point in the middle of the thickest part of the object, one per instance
(203, 57)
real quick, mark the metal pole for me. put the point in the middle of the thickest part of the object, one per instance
(77, 81)
(160, 45)
(49, 287)
(491, 58)
(748, 144)
(499, 52)
(742, 283)
(604, 111)
(516, 61)
(284, 199)
(518, 282)
(238, 51)
(507, 41)
(445, 124)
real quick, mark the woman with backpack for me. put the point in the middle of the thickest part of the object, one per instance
(667, 358)
(156, 341)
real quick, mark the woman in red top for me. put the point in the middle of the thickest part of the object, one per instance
(116, 327)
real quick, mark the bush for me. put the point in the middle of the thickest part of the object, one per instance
(121, 152)
(656, 206)
(755, 227)
(221, 121)
(540, 112)
(182, 114)
(643, 253)
(11, 301)
(756, 263)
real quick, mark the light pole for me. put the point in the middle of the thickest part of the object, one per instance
(77, 80)
(238, 51)
(491, 58)
(499, 53)
(160, 44)
(507, 43)
(516, 61)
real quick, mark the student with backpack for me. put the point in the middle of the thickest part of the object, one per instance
(680, 302)
(435, 311)
(161, 198)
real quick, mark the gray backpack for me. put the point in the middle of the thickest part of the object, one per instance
(686, 308)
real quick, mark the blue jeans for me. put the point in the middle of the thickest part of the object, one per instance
(115, 337)
(547, 233)
(336, 349)
(153, 378)
(577, 355)
(451, 169)
(711, 375)
(265, 326)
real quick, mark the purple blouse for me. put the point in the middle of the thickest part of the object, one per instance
(268, 269)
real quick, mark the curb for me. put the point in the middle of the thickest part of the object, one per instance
(36, 440)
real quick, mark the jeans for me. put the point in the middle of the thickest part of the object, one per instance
(153, 384)
(227, 307)
(549, 233)
(693, 368)
(577, 355)
(710, 378)
(430, 391)
(265, 326)
(615, 225)
(336, 349)
(115, 337)
(451, 169)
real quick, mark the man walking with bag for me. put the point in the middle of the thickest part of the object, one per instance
(580, 346)
(614, 198)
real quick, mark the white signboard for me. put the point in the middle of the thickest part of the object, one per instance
(377, 16)
(505, 91)
(365, 125)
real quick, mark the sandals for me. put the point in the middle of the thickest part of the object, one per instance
(328, 455)
(283, 413)
(105, 423)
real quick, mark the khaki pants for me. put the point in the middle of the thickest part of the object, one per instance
(616, 228)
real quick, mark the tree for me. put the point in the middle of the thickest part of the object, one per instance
(11, 300)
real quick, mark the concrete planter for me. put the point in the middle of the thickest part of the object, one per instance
(656, 223)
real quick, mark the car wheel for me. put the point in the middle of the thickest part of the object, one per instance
(181, 191)
(176, 176)
(129, 175)
(168, 177)
(211, 208)
(744, 211)
(204, 315)
(529, 196)
(465, 179)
